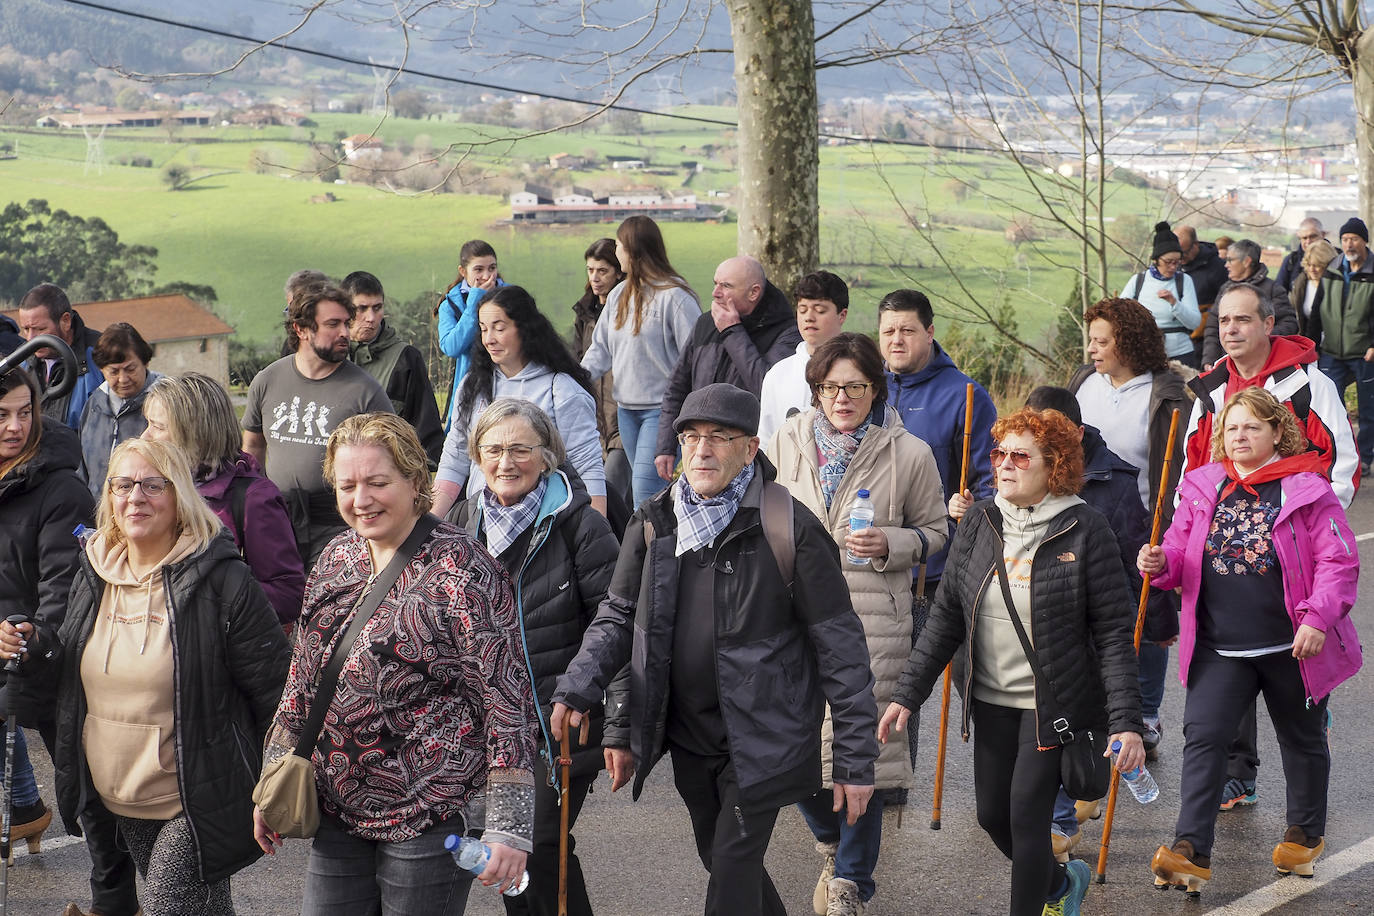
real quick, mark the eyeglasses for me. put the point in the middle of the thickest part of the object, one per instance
(1171, 262)
(853, 391)
(692, 440)
(1020, 459)
(1234, 258)
(518, 453)
(123, 487)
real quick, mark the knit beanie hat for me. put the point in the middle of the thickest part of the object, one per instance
(1165, 242)
(1355, 226)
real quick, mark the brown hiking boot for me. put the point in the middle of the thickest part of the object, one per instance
(1297, 852)
(1181, 867)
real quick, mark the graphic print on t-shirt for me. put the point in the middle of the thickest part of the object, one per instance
(308, 426)
(1240, 539)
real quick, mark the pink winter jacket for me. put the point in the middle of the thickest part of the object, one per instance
(1317, 556)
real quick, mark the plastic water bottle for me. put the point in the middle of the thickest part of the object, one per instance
(1142, 784)
(83, 535)
(472, 854)
(860, 517)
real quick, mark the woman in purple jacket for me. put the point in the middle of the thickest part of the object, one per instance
(193, 412)
(1268, 567)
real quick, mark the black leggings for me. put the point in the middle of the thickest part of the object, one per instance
(1016, 784)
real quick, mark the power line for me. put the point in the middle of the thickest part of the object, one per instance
(616, 106)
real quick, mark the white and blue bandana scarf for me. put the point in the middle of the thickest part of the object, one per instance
(699, 520)
(501, 525)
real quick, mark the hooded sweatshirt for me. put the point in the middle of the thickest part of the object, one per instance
(1001, 672)
(127, 673)
(570, 406)
(642, 363)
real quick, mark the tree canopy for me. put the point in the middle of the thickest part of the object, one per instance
(83, 256)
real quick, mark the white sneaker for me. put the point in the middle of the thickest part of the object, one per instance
(844, 899)
(820, 899)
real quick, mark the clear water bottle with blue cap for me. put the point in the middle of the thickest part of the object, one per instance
(860, 516)
(472, 854)
(1143, 785)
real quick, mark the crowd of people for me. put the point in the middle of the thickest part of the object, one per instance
(423, 601)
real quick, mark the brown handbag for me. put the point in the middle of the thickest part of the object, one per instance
(286, 792)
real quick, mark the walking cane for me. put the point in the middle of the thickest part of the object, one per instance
(565, 765)
(943, 743)
(11, 668)
(1106, 842)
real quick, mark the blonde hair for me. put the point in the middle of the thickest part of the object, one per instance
(393, 435)
(551, 450)
(200, 419)
(1266, 408)
(194, 516)
(1319, 254)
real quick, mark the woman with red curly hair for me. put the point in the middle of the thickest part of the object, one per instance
(1128, 393)
(1037, 552)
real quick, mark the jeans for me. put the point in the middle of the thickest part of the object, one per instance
(1219, 690)
(24, 791)
(1154, 666)
(1343, 372)
(859, 844)
(639, 433)
(350, 876)
(730, 842)
(1065, 813)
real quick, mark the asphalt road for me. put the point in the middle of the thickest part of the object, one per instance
(639, 857)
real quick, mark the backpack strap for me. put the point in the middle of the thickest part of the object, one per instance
(1178, 283)
(238, 497)
(776, 509)
(1139, 280)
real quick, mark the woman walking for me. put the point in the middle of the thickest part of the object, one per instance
(1268, 567)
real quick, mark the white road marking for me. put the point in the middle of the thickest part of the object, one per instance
(21, 849)
(1365, 537)
(1287, 889)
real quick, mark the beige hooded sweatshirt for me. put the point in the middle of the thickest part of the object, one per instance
(1001, 672)
(127, 674)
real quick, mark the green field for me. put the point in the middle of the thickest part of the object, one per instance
(243, 230)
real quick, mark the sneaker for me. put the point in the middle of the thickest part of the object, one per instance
(1238, 792)
(1297, 852)
(843, 898)
(1063, 843)
(820, 898)
(1151, 737)
(1071, 903)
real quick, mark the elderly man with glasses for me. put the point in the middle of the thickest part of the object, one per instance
(1243, 266)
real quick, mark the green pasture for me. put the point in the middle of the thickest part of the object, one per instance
(243, 232)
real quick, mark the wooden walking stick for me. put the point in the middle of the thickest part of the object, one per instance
(943, 743)
(1106, 842)
(565, 765)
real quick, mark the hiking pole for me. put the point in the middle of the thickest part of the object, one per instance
(565, 765)
(1106, 842)
(943, 744)
(11, 668)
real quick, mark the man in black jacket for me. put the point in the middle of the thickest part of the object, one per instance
(396, 365)
(745, 741)
(1202, 263)
(750, 327)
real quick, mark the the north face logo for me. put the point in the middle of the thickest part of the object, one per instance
(1067, 557)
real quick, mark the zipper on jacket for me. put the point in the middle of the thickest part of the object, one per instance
(178, 713)
(1335, 529)
(739, 818)
(536, 541)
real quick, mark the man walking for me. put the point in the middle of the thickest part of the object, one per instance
(295, 403)
(822, 306)
(1346, 322)
(731, 666)
(45, 309)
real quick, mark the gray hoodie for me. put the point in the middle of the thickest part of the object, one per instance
(571, 408)
(642, 363)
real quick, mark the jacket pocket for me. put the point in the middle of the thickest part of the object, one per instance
(130, 763)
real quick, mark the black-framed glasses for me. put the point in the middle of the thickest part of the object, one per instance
(1020, 458)
(692, 440)
(124, 486)
(518, 453)
(853, 391)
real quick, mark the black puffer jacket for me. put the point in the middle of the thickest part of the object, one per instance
(41, 503)
(561, 567)
(230, 660)
(780, 657)
(1082, 621)
(1285, 318)
(741, 355)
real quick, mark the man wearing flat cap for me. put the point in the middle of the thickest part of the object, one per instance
(731, 663)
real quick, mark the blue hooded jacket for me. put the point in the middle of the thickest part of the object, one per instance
(931, 405)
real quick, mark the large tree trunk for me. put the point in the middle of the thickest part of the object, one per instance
(1362, 78)
(775, 79)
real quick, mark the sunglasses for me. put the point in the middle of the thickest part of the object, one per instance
(1019, 459)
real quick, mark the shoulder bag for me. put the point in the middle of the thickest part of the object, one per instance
(1084, 772)
(286, 792)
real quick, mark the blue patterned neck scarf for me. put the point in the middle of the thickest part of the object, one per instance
(835, 450)
(699, 520)
(501, 525)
